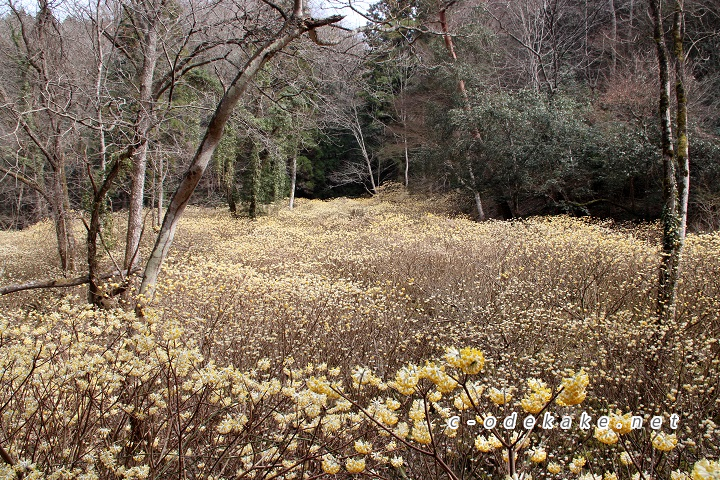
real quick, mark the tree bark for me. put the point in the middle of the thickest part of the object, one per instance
(675, 162)
(682, 151)
(614, 39)
(293, 178)
(407, 160)
(94, 230)
(357, 132)
(255, 174)
(294, 27)
(63, 221)
(143, 125)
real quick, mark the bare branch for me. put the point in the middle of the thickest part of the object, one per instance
(59, 283)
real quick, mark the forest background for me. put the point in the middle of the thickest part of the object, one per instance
(526, 108)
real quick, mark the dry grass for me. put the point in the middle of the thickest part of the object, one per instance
(244, 306)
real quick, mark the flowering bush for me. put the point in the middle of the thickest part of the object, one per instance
(367, 338)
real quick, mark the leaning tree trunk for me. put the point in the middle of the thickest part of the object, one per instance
(292, 29)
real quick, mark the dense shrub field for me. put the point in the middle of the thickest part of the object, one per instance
(374, 338)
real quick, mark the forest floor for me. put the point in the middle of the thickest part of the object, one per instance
(264, 334)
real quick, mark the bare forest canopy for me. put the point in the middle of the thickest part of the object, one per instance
(602, 107)
(557, 111)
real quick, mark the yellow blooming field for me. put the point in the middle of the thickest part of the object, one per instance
(376, 338)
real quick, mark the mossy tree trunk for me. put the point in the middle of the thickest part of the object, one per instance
(675, 159)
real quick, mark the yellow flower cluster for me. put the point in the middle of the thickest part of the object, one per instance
(538, 396)
(573, 389)
(706, 470)
(664, 442)
(621, 424)
(606, 435)
(384, 411)
(487, 444)
(471, 397)
(364, 376)
(469, 360)
(353, 465)
(538, 455)
(499, 397)
(577, 464)
(363, 447)
(330, 465)
(406, 379)
(437, 375)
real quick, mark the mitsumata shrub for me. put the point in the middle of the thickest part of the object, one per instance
(371, 338)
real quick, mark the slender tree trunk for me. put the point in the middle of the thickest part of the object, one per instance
(682, 152)
(161, 192)
(230, 190)
(255, 174)
(63, 221)
(675, 164)
(360, 139)
(614, 39)
(144, 120)
(293, 28)
(293, 178)
(98, 96)
(476, 195)
(279, 177)
(95, 296)
(153, 193)
(407, 161)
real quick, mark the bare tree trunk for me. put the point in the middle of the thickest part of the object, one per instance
(476, 194)
(293, 179)
(144, 120)
(93, 233)
(292, 29)
(614, 39)
(675, 164)
(153, 192)
(356, 128)
(407, 160)
(682, 152)
(161, 191)
(279, 176)
(63, 222)
(255, 173)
